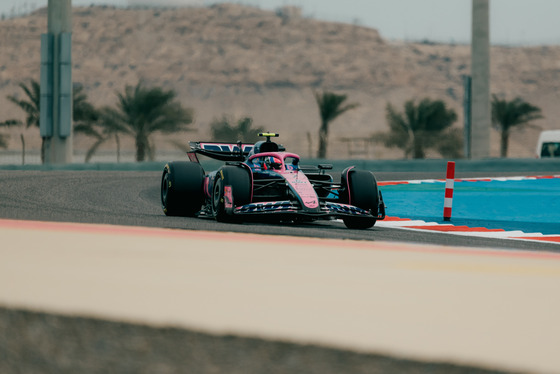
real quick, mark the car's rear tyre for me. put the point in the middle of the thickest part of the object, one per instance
(362, 193)
(240, 181)
(182, 192)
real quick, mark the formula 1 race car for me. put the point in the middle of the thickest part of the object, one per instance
(263, 180)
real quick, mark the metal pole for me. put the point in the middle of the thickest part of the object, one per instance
(480, 71)
(58, 146)
(467, 107)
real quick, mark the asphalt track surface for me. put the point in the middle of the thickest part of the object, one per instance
(460, 290)
(132, 198)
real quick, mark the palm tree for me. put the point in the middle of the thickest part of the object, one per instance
(102, 129)
(143, 111)
(82, 111)
(420, 127)
(92, 122)
(509, 114)
(330, 107)
(4, 137)
(223, 130)
(30, 105)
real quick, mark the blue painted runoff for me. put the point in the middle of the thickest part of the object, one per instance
(526, 205)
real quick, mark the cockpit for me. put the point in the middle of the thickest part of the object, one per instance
(268, 155)
(265, 163)
(274, 162)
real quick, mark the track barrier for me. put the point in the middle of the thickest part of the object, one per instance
(449, 184)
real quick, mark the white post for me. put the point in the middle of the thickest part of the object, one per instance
(449, 186)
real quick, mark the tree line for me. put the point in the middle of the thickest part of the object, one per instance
(141, 111)
(427, 124)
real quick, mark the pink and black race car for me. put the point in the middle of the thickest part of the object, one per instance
(263, 180)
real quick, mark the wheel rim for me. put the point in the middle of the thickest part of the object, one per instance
(164, 189)
(217, 195)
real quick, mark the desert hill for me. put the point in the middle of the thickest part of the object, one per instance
(240, 60)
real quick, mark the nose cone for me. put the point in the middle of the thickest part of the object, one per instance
(304, 190)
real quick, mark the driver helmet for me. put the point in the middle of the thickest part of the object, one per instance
(273, 163)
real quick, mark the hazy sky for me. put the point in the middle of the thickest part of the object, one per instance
(512, 21)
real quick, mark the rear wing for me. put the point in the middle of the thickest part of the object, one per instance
(219, 151)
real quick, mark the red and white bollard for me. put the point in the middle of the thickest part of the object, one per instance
(449, 184)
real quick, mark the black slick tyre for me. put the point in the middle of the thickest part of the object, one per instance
(239, 180)
(362, 190)
(182, 191)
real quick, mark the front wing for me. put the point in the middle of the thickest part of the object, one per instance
(288, 208)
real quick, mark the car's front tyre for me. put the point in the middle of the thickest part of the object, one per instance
(361, 188)
(238, 180)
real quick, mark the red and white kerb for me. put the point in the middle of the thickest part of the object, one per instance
(449, 184)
